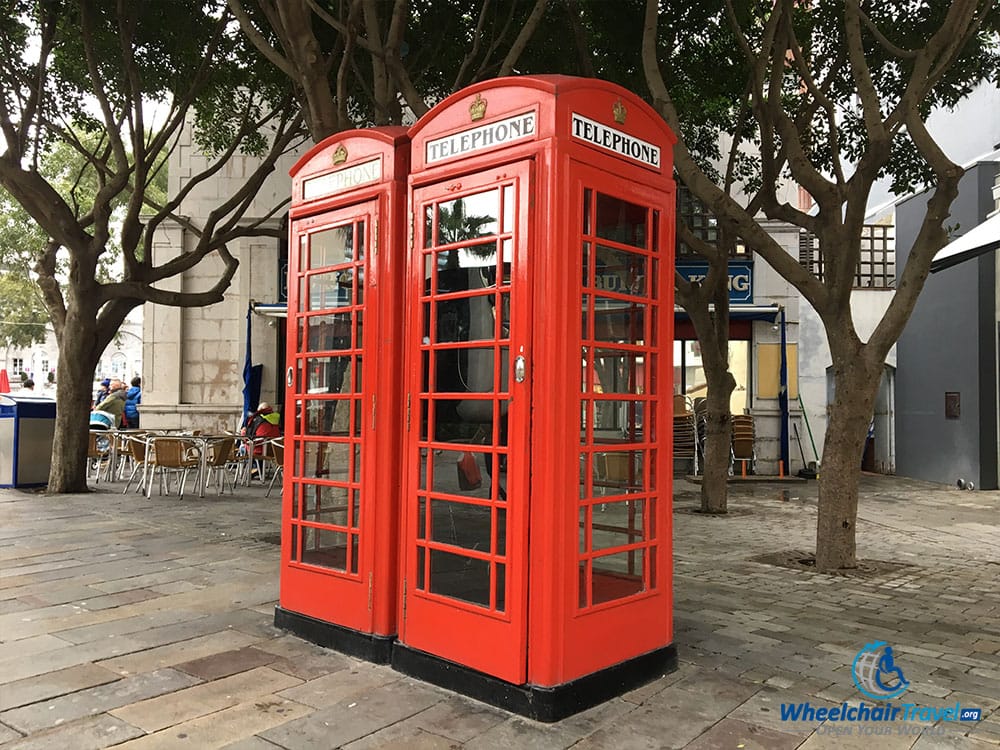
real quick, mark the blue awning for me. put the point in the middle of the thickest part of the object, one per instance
(739, 312)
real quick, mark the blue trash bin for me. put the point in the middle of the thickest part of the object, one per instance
(27, 426)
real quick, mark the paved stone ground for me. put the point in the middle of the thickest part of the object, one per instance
(147, 624)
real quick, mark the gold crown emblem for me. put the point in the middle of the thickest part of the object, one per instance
(340, 155)
(619, 112)
(477, 110)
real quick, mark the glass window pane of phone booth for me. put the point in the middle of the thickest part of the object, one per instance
(618, 355)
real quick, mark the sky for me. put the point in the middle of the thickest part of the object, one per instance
(968, 133)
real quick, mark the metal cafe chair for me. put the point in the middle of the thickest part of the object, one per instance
(220, 455)
(98, 452)
(171, 456)
(138, 450)
(274, 454)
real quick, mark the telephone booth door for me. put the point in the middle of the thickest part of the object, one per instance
(329, 322)
(339, 577)
(466, 493)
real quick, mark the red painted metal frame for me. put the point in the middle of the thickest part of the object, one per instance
(562, 641)
(364, 596)
(451, 627)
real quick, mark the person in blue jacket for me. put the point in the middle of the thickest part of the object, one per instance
(133, 397)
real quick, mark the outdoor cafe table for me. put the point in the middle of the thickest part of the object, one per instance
(203, 444)
(200, 443)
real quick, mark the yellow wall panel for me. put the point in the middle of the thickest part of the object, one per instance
(769, 369)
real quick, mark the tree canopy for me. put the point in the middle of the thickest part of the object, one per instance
(118, 84)
(836, 95)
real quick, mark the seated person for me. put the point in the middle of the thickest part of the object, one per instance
(108, 413)
(262, 424)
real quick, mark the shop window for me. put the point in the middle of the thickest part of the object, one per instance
(689, 373)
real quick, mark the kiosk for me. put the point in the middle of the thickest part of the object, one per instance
(27, 428)
(536, 543)
(340, 513)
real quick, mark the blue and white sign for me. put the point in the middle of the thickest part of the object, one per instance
(740, 279)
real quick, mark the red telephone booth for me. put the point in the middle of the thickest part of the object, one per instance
(536, 544)
(340, 515)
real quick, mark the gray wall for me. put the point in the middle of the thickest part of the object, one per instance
(946, 347)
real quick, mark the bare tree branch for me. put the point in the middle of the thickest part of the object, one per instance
(721, 205)
(380, 74)
(523, 37)
(892, 49)
(878, 135)
(820, 97)
(931, 237)
(477, 39)
(279, 61)
(580, 38)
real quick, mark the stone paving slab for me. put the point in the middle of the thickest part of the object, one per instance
(733, 733)
(92, 733)
(53, 684)
(177, 653)
(191, 703)
(7, 734)
(227, 663)
(356, 716)
(30, 646)
(66, 708)
(252, 743)
(223, 727)
(102, 595)
(16, 668)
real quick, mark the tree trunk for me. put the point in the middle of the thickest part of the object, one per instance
(855, 386)
(718, 437)
(77, 361)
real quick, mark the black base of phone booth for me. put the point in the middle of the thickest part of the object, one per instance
(546, 704)
(368, 646)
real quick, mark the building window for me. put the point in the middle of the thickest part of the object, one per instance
(876, 266)
(702, 224)
(17, 366)
(45, 366)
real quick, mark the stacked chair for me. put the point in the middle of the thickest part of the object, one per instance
(743, 456)
(685, 432)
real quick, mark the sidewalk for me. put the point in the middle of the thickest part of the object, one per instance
(147, 624)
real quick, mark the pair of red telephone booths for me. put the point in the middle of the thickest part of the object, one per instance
(478, 460)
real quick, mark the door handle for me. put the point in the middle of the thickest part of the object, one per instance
(519, 368)
(290, 377)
